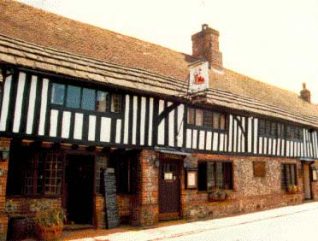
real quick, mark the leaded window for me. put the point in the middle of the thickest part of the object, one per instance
(288, 175)
(205, 118)
(35, 171)
(73, 96)
(86, 98)
(215, 175)
(57, 96)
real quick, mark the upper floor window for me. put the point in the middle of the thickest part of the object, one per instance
(73, 96)
(102, 101)
(88, 99)
(271, 128)
(116, 103)
(294, 133)
(85, 98)
(58, 94)
(210, 119)
(274, 129)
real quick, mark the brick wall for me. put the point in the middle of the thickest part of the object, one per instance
(145, 205)
(4, 144)
(315, 190)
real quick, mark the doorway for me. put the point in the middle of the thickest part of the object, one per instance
(78, 191)
(169, 189)
(307, 181)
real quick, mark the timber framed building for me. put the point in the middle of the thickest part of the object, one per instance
(77, 100)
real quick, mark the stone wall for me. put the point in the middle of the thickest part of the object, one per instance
(249, 193)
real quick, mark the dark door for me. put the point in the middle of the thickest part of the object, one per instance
(79, 188)
(169, 188)
(307, 181)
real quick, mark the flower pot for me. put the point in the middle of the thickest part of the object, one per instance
(49, 233)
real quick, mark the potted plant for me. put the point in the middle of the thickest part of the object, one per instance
(292, 189)
(217, 195)
(49, 223)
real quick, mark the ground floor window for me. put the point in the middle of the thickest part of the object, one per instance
(126, 170)
(215, 175)
(34, 171)
(288, 175)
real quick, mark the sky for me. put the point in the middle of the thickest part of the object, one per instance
(275, 41)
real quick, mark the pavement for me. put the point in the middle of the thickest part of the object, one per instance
(292, 223)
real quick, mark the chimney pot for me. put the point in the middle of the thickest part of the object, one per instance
(205, 26)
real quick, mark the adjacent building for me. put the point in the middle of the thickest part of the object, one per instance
(185, 136)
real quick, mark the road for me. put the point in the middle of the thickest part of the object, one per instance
(296, 223)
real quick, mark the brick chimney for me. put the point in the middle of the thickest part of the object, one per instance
(205, 45)
(305, 94)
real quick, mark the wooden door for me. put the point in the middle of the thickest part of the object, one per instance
(307, 181)
(169, 189)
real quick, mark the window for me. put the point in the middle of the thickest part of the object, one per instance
(208, 119)
(198, 117)
(294, 133)
(102, 101)
(216, 120)
(270, 128)
(205, 118)
(126, 170)
(215, 175)
(116, 103)
(73, 96)
(58, 91)
(34, 172)
(88, 99)
(191, 116)
(222, 122)
(280, 130)
(288, 175)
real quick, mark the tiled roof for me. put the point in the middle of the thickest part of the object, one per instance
(41, 40)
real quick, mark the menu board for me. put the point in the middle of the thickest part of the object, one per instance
(112, 217)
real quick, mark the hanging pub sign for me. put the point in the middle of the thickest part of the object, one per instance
(199, 77)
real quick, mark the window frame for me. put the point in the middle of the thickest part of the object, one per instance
(109, 99)
(193, 123)
(35, 170)
(285, 181)
(205, 185)
(285, 131)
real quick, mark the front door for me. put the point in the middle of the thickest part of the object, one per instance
(78, 193)
(307, 181)
(169, 189)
